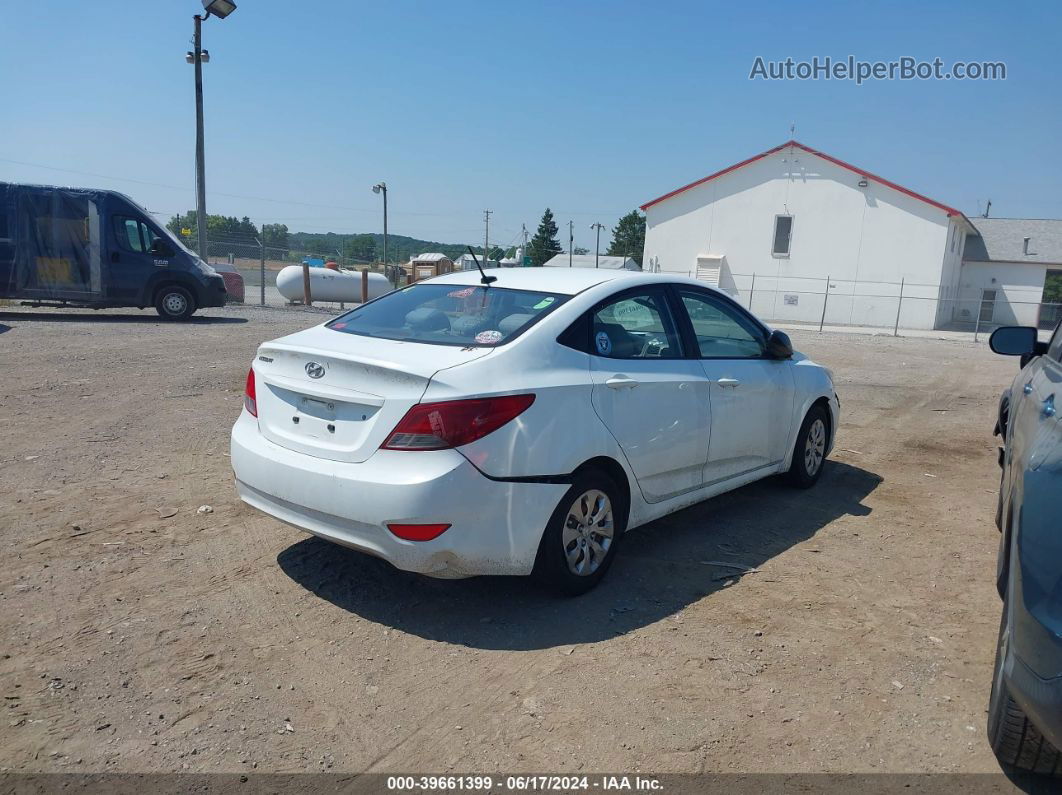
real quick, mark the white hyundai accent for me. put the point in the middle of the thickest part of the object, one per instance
(457, 428)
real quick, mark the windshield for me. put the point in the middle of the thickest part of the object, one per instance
(449, 314)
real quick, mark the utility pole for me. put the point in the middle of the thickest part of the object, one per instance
(571, 240)
(486, 236)
(597, 248)
(523, 251)
(200, 155)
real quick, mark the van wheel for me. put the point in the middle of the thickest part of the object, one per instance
(580, 540)
(174, 302)
(809, 454)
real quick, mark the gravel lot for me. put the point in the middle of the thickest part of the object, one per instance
(140, 635)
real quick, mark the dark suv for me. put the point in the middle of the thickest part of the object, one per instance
(1025, 710)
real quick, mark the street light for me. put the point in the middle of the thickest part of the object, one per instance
(219, 9)
(381, 187)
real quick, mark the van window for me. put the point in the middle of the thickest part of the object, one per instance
(133, 235)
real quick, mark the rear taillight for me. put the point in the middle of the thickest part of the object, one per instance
(250, 401)
(452, 423)
(418, 532)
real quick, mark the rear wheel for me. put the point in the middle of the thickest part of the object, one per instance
(579, 543)
(1015, 740)
(174, 302)
(809, 454)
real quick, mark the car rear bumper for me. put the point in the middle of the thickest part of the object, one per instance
(495, 526)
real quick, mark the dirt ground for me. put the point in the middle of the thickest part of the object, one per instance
(140, 635)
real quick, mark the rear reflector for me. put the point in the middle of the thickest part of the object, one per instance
(250, 401)
(418, 532)
(452, 423)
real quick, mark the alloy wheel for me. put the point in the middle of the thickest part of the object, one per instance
(815, 447)
(588, 532)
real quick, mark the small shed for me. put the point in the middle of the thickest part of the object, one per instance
(424, 266)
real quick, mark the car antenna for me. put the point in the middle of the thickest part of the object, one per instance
(487, 280)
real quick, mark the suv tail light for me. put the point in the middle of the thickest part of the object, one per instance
(452, 423)
(250, 401)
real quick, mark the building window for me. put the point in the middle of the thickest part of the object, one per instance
(783, 235)
(953, 229)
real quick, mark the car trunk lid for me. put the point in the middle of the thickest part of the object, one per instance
(338, 396)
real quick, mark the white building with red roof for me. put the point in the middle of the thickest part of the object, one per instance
(776, 229)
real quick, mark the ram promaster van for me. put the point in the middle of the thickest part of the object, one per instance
(96, 248)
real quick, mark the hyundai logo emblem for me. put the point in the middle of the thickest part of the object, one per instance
(314, 370)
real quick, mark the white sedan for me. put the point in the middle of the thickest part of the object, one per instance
(457, 428)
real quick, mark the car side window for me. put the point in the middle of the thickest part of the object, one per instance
(722, 332)
(635, 326)
(133, 235)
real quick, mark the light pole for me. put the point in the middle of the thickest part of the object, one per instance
(381, 187)
(198, 56)
(597, 248)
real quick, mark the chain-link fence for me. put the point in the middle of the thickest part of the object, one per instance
(887, 306)
(259, 264)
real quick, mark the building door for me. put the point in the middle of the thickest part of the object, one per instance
(988, 306)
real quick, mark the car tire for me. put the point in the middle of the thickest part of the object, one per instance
(174, 302)
(1015, 740)
(581, 538)
(809, 452)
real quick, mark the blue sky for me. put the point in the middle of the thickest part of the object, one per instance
(591, 108)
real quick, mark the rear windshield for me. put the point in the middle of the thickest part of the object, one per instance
(450, 314)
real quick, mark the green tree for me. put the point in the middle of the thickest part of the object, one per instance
(580, 250)
(544, 245)
(276, 236)
(628, 237)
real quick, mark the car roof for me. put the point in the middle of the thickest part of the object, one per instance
(564, 281)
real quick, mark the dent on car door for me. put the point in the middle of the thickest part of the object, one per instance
(752, 396)
(653, 400)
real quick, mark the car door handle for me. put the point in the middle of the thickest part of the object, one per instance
(1027, 389)
(621, 382)
(729, 383)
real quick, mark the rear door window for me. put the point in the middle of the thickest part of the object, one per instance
(450, 314)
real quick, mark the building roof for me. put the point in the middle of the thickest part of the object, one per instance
(1003, 240)
(431, 257)
(861, 172)
(587, 261)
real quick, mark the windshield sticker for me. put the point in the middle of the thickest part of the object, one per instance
(488, 337)
(544, 302)
(604, 344)
(461, 293)
(339, 325)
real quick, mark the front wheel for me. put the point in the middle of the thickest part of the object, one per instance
(1015, 740)
(174, 302)
(580, 540)
(809, 454)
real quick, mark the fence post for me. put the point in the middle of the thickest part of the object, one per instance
(306, 300)
(899, 304)
(364, 285)
(825, 298)
(752, 291)
(261, 269)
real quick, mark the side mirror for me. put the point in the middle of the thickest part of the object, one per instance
(159, 247)
(1013, 340)
(779, 346)
(1017, 341)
